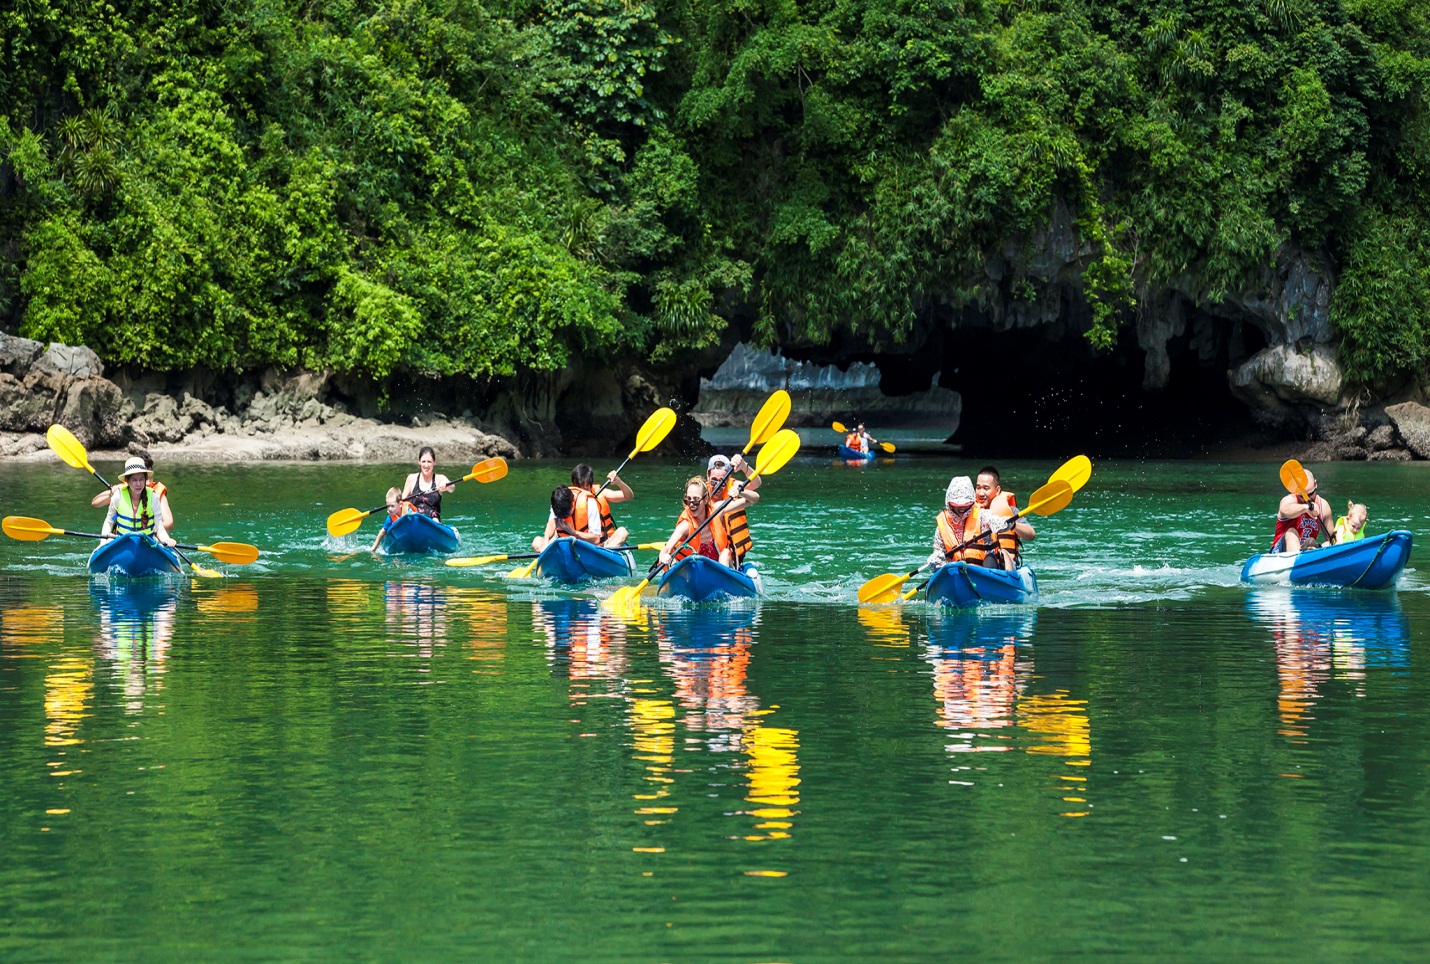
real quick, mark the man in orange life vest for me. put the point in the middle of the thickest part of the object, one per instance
(590, 516)
(1300, 522)
(860, 440)
(963, 528)
(1000, 505)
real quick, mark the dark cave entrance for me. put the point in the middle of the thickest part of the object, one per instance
(1030, 394)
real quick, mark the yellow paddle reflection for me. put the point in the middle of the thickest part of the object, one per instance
(773, 777)
(69, 690)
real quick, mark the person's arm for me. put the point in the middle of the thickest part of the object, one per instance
(1328, 524)
(165, 513)
(748, 487)
(1293, 507)
(408, 486)
(739, 502)
(940, 551)
(108, 530)
(682, 531)
(445, 484)
(622, 493)
(103, 499)
(378, 541)
(1024, 530)
(161, 534)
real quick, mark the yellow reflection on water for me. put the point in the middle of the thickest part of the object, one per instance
(69, 689)
(773, 777)
(226, 600)
(653, 739)
(886, 626)
(1061, 724)
(486, 615)
(27, 625)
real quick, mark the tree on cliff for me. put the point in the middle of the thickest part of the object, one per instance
(464, 186)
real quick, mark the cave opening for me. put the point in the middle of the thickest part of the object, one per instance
(1029, 394)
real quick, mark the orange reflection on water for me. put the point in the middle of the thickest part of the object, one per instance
(587, 642)
(707, 654)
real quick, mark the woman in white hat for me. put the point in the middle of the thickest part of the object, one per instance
(961, 527)
(134, 508)
(104, 498)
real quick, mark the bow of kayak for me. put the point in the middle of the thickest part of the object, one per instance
(852, 455)
(699, 579)
(415, 532)
(133, 555)
(1374, 562)
(573, 561)
(963, 586)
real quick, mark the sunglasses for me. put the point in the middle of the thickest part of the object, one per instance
(695, 501)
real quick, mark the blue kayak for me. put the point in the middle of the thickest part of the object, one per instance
(1374, 562)
(854, 455)
(134, 555)
(700, 579)
(963, 586)
(416, 532)
(571, 560)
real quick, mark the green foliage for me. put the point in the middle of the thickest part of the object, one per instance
(488, 189)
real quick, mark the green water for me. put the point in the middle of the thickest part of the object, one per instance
(332, 755)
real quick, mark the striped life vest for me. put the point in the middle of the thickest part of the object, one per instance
(737, 524)
(129, 520)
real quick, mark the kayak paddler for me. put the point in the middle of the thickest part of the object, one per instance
(134, 508)
(424, 487)
(860, 440)
(1301, 521)
(714, 541)
(962, 521)
(988, 492)
(102, 500)
(589, 517)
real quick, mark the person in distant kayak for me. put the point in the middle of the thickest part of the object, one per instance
(424, 487)
(988, 493)
(860, 441)
(713, 540)
(134, 509)
(396, 509)
(590, 514)
(721, 482)
(1301, 521)
(104, 498)
(962, 530)
(1351, 526)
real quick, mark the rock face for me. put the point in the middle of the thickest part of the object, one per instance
(741, 385)
(1412, 421)
(1281, 382)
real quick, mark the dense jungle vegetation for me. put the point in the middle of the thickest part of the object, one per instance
(489, 187)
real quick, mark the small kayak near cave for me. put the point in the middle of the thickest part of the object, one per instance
(571, 560)
(416, 532)
(854, 455)
(699, 579)
(134, 555)
(1374, 562)
(962, 586)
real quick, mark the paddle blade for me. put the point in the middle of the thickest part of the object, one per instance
(772, 415)
(654, 431)
(625, 596)
(1293, 476)
(1053, 497)
(839, 427)
(238, 553)
(344, 521)
(1075, 472)
(879, 587)
(475, 560)
(487, 471)
(205, 572)
(887, 447)
(67, 447)
(777, 452)
(26, 529)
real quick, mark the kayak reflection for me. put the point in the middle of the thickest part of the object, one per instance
(980, 663)
(136, 625)
(583, 640)
(1324, 635)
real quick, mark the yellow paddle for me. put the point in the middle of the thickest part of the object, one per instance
(1293, 476)
(886, 446)
(771, 417)
(652, 433)
(484, 560)
(773, 457)
(33, 530)
(1075, 472)
(72, 453)
(344, 521)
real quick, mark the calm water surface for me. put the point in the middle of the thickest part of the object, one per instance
(331, 755)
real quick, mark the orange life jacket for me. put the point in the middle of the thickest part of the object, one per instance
(581, 517)
(852, 441)
(737, 524)
(1004, 504)
(972, 529)
(715, 532)
(403, 508)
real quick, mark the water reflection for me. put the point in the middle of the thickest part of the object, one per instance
(585, 641)
(706, 651)
(1323, 635)
(416, 612)
(486, 615)
(980, 665)
(136, 626)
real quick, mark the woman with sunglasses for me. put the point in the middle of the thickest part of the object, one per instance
(1302, 520)
(713, 540)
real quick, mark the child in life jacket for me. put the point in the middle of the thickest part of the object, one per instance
(396, 509)
(1351, 526)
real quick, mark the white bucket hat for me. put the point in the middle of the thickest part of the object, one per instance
(960, 491)
(135, 466)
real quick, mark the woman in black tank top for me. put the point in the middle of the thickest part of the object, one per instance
(424, 487)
